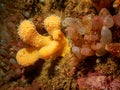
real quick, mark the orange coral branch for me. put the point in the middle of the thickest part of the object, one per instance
(43, 47)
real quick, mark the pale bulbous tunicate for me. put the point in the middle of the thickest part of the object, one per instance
(104, 12)
(76, 50)
(108, 21)
(106, 37)
(69, 21)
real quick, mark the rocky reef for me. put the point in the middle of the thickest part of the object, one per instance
(60, 45)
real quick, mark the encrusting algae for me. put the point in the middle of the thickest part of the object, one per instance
(42, 47)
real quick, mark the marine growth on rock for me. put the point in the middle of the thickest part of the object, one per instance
(91, 38)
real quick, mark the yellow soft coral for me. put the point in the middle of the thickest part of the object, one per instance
(44, 47)
(27, 56)
(53, 26)
(27, 32)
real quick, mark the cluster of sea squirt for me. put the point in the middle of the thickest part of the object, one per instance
(92, 35)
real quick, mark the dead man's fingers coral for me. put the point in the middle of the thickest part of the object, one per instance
(53, 26)
(54, 49)
(27, 32)
(52, 22)
(27, 56)
(44, 47)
